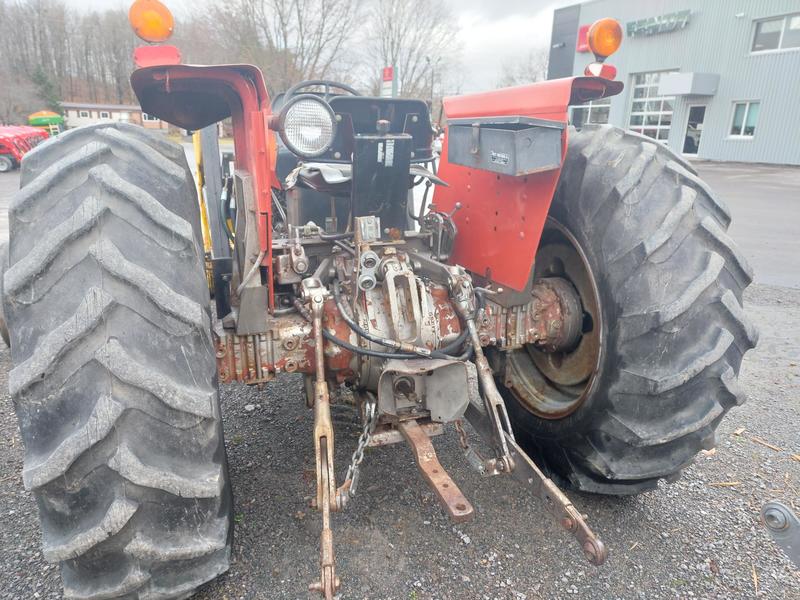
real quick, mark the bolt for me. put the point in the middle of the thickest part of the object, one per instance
(775, 519)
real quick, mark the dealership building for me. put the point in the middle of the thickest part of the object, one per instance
(713, 79)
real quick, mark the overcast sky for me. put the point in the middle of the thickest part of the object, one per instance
(492, 33)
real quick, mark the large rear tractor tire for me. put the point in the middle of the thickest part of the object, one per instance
(114, 380)
(643, 241)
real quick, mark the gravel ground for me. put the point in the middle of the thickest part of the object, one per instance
(691, 539)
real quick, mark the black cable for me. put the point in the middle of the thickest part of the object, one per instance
(345, 247)
(440, 353)
(335, 236)
(347, 345)
(337, 296)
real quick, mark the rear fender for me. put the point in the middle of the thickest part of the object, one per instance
(502, 216)
(193, 97)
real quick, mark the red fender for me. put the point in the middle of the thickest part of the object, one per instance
(502, 216)
(193, 97)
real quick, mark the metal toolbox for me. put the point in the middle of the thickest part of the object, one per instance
(506, 145)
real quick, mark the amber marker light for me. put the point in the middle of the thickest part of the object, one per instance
(151, 20)
(605, 37)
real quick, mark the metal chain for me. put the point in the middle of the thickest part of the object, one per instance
(462, 435)
(370, 414)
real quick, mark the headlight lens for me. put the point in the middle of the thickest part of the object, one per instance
(308, 125)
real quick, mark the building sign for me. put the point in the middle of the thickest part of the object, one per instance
(388, 85)
(660, 24)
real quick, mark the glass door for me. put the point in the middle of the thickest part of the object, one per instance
(694, 129)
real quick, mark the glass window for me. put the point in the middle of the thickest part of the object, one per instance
(104, 115)
(83, 114)
(651, 114)
(780, 33)
(791, 35)
(745, 115)
(147, 117)
(592, 112)
(738, 118)
(768, 35)
(752, 117)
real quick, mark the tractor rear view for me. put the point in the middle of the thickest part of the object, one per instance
(572, 295)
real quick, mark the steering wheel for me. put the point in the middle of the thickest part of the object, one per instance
(327, 84)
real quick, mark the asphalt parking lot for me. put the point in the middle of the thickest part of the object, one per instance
(700, 537)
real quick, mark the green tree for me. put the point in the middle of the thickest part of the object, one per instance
(47, 90)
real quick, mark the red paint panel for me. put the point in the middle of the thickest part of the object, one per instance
(502, 216)
(583, 39)
(217, 92)
(149, 56)
(501, 219)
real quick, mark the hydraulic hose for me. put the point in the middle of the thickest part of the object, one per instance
(441, 353)
(347, 345)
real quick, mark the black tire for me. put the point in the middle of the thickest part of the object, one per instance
(114, 379)
(670, 282)
(6, 164)
(3, 267)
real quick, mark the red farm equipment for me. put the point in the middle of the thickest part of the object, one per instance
(15, 142)
(571, 294)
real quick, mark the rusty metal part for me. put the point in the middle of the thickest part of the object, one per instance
(487, 467)
(457, 506)
(286, 347)
(441, 387)
(551, 321)
(245, 358)
(527, 473)
(258, 358)
(323, 447)
(557, 312)
(329, 583)
(463, 295)
(386, 434)
(552, 385)
(493, 402)
(348, 489)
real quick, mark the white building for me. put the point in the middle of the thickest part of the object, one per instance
(85, 113)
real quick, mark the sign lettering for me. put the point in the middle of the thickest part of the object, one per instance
(660, 24)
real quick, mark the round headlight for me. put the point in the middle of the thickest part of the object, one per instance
(307, 125)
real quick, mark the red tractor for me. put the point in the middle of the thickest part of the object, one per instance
(571, 294)
(15, 142)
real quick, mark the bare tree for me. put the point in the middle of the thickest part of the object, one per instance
(88, 55)
(532, 68)
(290, 40)
(417, 37)
(18, 99)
